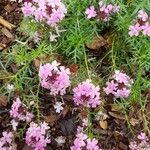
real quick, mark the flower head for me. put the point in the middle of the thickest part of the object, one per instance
(49, 11)
(87, 94)
(90, 12)
(19, 111)
(119, 86)
(36, 136)
(55, 78)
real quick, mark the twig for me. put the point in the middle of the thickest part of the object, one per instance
(6, 23)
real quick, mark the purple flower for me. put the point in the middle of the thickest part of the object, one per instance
(82, 141)
(143, 15)
(141, 24)
(142, 137)
(36, 136)
(55, 78)
(28, 9)
(49, 11)
(146, 29)
(92, 144)
(87, 94)
(134, 30)
(91, 12)
(19, 111)
(6, 141)
(119, 86)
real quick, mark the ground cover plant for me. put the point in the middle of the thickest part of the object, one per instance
(74, 75)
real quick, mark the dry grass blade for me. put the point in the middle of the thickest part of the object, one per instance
(6, 24)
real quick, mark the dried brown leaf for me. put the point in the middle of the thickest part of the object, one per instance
(115, 115)
(96, 43)
(36, 63)
(3, 101)
(103, 124)
(65, 111)
(51, 119)
(73, 68)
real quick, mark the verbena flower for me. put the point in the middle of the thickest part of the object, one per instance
(54, 78)
(49, 11)
(119, 86)
(87, 94)
(91, 12)
(6, 141)
(141, 25)
(142, 143)
(58, 107)
(19, 111)
(104, 12)
(36, 136)
(82, 141)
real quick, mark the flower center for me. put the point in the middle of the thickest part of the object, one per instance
(85, 98)
(52, 79)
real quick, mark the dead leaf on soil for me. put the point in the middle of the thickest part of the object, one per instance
(36, 63)
(7, 33)
(118, 116)
(134, 121)
(51, 119)
(65, 111)
(3, 101)
(115, 108)
(73, 68)
(103, 124)
(96, 43)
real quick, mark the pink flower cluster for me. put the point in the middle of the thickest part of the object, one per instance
(19, 111)
(87, 94)
(119, 86)
(82, 141)
(50, 11)
(141, 144)
(54, 77)
(6, 141)
(141, 25)
(105, 11)
(36, 136)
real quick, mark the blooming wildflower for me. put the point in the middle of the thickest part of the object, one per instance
(54, 77)
(134, 30)
(87, 94)
(14, 124)
(142, 137)
(28, 9)
(82, 141)
(104, 13)
(146, 29)
(119, 86)
(6, 141)
(49, 11)
(85, 122)
(58, 107)
(92, 144)
(142, 144)
(60, 140)
(19, 111)
(142, 15)
(90, 12)
(36, 136)
(141, 24)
